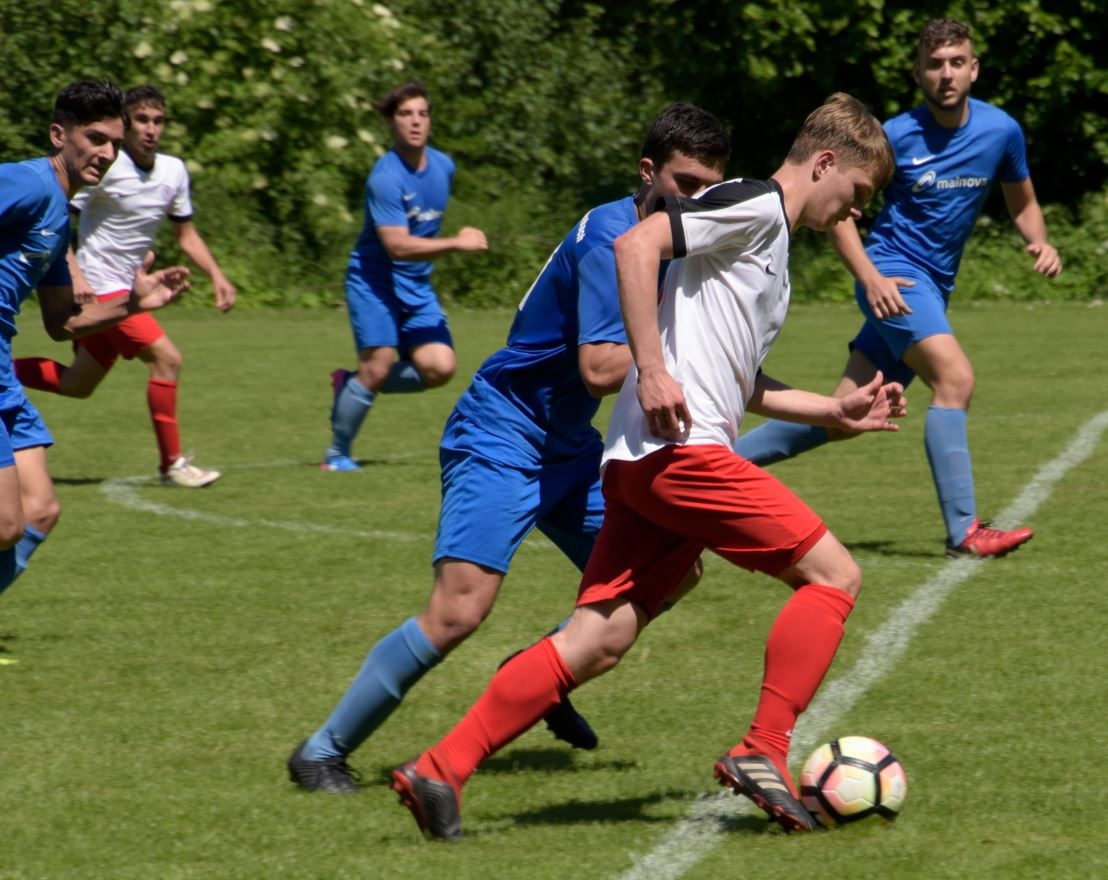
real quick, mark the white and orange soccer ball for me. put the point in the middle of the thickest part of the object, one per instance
(850, 779)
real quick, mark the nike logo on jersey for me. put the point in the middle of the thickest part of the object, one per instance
(46, 233)
(919, 160)
(408, 196)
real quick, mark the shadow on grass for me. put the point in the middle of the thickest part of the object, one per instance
(77, 481)
(891, 548)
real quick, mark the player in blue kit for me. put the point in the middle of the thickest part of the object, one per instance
(85, 134)
(950, 151)
(400, 332)
(519, 450)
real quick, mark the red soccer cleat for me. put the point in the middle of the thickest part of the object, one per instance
(983, 540)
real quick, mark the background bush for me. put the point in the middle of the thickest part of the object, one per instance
(543, 103)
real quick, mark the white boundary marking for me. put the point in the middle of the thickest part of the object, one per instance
(701, 830)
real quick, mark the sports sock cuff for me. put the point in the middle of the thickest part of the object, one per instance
(831, 600)
(557, 665)
(422, 648)
(163, 383)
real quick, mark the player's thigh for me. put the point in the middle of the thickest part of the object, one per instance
(374, 318)
(162, 356)
(859, 371)
(11, 503)
(572, 504)
(426, 340)
(487, 509)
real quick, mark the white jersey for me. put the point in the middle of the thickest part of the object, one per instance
(121, 216)
(722, 306)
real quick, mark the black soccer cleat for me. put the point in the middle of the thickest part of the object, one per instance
(569, 725)
(431, 802)
(332, 775)
(757, 778)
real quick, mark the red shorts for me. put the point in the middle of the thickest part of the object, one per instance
(662, 511)
(126, 339)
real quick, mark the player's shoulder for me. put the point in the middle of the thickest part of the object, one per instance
(738, 190)
(30, 182)
(438, 157)
(603, 224)
(984, 114)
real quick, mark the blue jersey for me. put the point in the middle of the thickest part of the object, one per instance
(530, 392)
(398, 195)
(34, 238)
(942, 178)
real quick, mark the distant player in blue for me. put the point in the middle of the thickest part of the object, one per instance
(950, 151)
(85, 134)
(400, 331)
(519, 450)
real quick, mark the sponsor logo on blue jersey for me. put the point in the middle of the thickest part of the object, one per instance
(931, 179)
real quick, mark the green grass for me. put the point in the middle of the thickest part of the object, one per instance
(171, 647)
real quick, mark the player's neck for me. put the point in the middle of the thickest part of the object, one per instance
(60, 172)
(144, 165)
(415, 157)
(950, 117)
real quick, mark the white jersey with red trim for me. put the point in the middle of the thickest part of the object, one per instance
(723, 303)
(120, 217)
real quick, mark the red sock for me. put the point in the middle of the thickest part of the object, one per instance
(523, 690)
(799, 651)
(42, 374)
(161, 396)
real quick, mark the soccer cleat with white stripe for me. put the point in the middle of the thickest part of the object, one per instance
(184, 473)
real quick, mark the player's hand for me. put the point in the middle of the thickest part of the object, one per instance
(224, 292)
(83, 294)
(1048, 262)
(883, 296)
(663, 404)
(152, 290)
(873, 406)
(469, 238)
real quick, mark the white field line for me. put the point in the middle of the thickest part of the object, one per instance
(124, 491)
(702, 828)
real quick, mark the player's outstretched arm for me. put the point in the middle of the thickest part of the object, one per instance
(64, 318)
(872, 407)
(196, 249)
(400, 244)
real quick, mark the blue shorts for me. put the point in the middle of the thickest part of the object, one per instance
(21, 427)
(884, 342)
(489, 506)
(382, 320)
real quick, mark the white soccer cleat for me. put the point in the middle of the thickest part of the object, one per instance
(184, 473)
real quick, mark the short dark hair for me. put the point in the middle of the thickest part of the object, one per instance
(389, 104)
(144, 94)
(942, 32)
(88, 100)
(687, 129)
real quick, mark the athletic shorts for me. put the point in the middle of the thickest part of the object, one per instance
(21, 427)
(665, 509)
(382, 320)
(490, 505)
(125, 339)
(885, 341)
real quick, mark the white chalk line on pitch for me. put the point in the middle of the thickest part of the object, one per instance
(704, 825)
(124, 491)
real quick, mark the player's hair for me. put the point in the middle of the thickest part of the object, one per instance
(88, 100)
(942, 32)
(144, 94)
(846, 126)
(687, 129)
(389, 104)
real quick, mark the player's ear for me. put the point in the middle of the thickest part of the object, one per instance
(57, 135)
(646, 171)
(823, 162)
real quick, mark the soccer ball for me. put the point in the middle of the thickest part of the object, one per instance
(850, 779)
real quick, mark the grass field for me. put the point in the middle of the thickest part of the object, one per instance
(168, 648)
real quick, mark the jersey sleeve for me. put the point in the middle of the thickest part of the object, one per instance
(1013, 165)
(598, 315)
(17, 207)
(180, 209)
(384, 200)
(718, 218)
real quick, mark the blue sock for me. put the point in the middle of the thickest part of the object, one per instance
(776, 440)
(947, 443)
(403, 378)
(349, 411)
(15, 559)
(396, 662)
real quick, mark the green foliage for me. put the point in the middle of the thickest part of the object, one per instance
(543, 103)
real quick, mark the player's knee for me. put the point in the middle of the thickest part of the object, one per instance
(11, 529)
(42, 514)
(437, 375)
